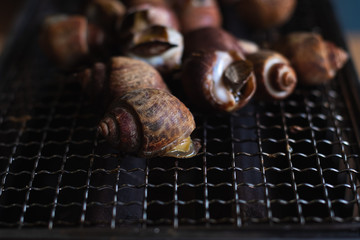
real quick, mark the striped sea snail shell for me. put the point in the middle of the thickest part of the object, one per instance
(275, 77)
(315, 60)
(150, 123)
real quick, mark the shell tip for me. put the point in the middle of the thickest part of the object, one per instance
(103, 129)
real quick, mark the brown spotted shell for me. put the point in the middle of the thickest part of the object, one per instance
(315, 60)
(127, 74)
(147, 122)
(119, 76)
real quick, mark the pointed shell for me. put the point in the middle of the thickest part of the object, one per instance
(315, 60)
(162, 122)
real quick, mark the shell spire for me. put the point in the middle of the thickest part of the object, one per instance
(276, 79)
(150, 123)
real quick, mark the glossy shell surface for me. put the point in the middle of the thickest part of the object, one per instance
(164, 120)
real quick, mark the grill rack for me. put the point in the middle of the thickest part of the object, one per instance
(269, 165)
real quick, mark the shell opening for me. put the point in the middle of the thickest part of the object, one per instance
(171, 57)
(220, 90)
(152, 41)
(237, 75)
(186, 148)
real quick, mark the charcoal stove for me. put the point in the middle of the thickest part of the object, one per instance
(285, 167)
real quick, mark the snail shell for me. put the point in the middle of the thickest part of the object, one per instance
(69, 40)
(195, 14)
(106, 13)
(119, 76)
(218, 80)
(265, 13)
(315, 60)
(150, 123)
(211, 39)
(276, 79)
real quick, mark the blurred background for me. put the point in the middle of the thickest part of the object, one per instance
(348, 12)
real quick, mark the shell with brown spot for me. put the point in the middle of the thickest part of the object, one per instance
(149, 123)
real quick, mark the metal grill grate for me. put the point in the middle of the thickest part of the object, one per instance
(287, 162)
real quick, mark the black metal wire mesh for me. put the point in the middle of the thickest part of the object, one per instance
(292, 161)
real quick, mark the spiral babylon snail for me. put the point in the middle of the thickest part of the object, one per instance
(276, 79)
(215, 74)
(150, 123)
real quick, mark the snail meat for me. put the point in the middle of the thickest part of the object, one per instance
(150, 123)
(315, 60)
(218, 80)
(70, 40)
(276, 79)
